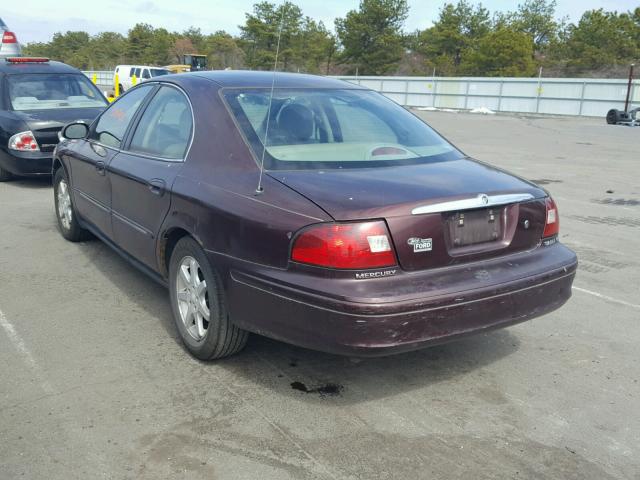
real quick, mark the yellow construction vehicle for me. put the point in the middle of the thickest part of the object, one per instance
(191, 62)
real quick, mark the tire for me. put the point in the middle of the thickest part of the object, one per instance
(4, 175)
(205, 339)
(613, 116)
(65, 211)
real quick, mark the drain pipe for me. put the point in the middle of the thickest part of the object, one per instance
(626, 102)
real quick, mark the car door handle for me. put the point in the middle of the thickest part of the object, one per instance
(100, 167)
(157, 186)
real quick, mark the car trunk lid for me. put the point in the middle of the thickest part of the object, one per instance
(438, 214)
(45, 124)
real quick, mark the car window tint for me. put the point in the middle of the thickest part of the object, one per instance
(40, 91)
(113, 123)
(165, 127)
(360, 125)
(333, 128)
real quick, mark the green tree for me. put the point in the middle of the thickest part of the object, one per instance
(315, 47)
(149, 46)
(537, 19)
(458, 28)
(501, 53)
(107, 50)
(602, 38)
(196, 37)
(259, 34)
(371, 37)
(223, 51)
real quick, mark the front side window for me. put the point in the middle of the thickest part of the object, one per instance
(45, 91)
(165, 127)
(112, 125)
(334, 128)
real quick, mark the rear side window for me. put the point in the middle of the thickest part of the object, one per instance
(113, 123)
(165, 127)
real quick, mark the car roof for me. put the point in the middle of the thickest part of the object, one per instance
(249, 78)
(44, 67)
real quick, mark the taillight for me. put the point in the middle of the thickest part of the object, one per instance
(552, 222)
(24, 142)
(9, 37)
(345, 245)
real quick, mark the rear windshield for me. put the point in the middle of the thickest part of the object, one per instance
(43, 91)
(157, 72)
(318, 129)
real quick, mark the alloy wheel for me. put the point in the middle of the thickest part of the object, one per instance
(192, 298)
(65, 212)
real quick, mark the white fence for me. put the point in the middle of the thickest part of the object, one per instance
(560, 96)
(104, 78)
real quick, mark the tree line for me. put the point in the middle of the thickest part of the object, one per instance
(466, 39)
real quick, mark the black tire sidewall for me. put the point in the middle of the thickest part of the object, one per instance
(203, 349)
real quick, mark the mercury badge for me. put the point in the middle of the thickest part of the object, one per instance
(420, 244)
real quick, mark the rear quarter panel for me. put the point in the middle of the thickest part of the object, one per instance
(214, 197)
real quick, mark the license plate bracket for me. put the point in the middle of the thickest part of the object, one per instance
(473, 227)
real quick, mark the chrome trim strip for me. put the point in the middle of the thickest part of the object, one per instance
(478, 201)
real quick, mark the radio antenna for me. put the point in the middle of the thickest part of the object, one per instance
(260, 189)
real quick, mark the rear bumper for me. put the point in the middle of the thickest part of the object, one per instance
(26, 163)
(422, 318)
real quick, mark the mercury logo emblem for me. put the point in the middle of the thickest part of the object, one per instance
(484, 198)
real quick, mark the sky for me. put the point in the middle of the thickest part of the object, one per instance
(47, 17)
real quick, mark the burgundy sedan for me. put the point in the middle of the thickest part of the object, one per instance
(315, 212)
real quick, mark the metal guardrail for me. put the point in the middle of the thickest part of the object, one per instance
(559, 96)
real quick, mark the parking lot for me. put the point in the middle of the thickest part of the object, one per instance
(94, 382)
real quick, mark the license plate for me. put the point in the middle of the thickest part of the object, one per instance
(475, 226)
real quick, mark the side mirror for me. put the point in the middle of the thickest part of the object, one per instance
(75, 131)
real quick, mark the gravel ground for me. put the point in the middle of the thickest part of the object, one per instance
(94, 383)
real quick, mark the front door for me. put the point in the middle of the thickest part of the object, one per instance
(90, 185)
(90, 181)
(143, 173)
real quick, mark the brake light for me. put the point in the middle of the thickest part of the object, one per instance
(24, 142)
(345, 245)
(27, 60)
(9, 37)
(552, 222)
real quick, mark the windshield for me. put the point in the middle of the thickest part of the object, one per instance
(318, 129)
(42, 91)
(157, 72)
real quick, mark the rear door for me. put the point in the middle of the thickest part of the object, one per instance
(88, 164)
(143, 173)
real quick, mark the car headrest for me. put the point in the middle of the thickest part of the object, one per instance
(296, 122)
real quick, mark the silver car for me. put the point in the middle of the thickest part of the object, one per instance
(9, 46)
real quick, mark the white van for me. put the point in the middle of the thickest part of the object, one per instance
(142, 72)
